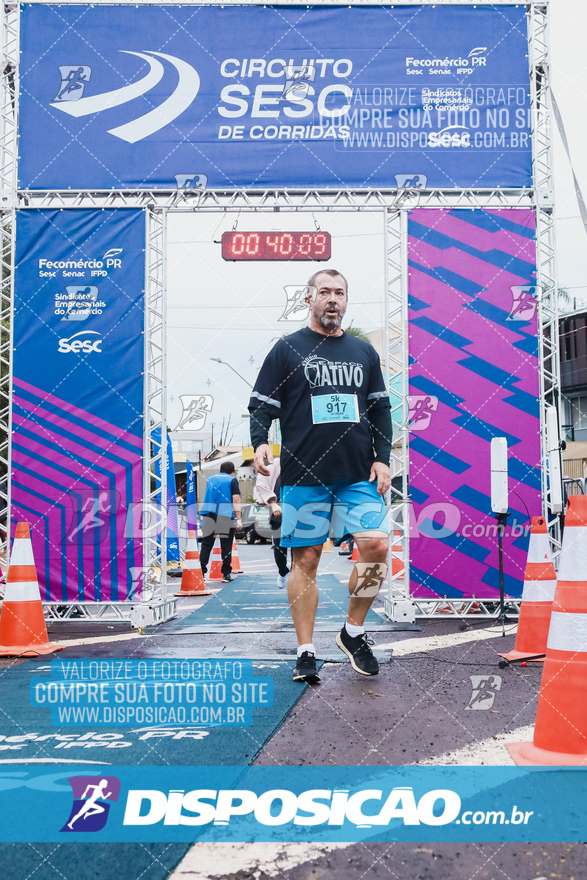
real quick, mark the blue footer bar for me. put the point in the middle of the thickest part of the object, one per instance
(345, 804)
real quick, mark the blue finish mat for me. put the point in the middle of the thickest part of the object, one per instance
(253, 603)
(28, 738)
(28, 735)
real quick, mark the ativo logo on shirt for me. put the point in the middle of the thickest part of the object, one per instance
(320, 372)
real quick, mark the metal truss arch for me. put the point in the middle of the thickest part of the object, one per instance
(394, 205)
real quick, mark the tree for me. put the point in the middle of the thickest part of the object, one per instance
(360, 334)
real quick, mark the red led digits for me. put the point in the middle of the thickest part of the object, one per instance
(287, 243)
(276, 245)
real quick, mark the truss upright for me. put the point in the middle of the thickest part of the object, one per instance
(8, 114)
(546, 280)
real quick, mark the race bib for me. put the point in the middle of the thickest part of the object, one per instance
(334, 408)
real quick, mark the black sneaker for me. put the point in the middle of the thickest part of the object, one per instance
(358, 651)
(227, 579)
(305, 668)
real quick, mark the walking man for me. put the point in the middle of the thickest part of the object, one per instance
(326, 388)
(221, 515)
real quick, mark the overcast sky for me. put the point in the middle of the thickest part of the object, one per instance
(568, 19)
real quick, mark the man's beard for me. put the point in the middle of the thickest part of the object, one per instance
(330, 322)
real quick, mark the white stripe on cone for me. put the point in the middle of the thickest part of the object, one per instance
(22, 552)
(568, 632)
(538, 591)
(573, 562)
(539, 548)
(22, 591)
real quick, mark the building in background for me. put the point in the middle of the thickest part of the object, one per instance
(573, 376)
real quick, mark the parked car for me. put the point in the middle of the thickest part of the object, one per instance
(256, 524)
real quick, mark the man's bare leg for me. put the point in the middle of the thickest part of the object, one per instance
(302, 591)
(370, 550)
(367, 576)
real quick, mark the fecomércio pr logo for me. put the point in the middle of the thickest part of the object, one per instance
(92, 798)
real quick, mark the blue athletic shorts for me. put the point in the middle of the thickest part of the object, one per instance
(309, 511)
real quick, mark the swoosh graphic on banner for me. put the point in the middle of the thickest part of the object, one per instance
(187, 89)
(96, 103)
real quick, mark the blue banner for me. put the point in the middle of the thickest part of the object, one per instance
(222, 804)
(190, 497)
(77, 413)
(171, 495)
(225, 98)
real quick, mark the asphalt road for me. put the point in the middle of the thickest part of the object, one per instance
(414, 712)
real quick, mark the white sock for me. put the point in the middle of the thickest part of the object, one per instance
(353, 630)
(309, 647)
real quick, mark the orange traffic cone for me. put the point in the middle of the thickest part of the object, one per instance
(355, 554)
(192, 579)
(216, 566)
(560, 735)
(23, 631)
(236, 563)
(327, 546)
(344, 548)
(397, 556)
(539, 587)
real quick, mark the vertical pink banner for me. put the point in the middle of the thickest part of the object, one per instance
(474, 375)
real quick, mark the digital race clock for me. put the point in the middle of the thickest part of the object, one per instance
(276, 245)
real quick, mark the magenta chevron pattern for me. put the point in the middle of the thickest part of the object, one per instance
(473, 375)
(74, 477)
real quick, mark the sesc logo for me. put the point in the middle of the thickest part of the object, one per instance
(76, 345)
(449, 137)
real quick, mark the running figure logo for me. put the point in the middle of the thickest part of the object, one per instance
(91, 796)
(74, 79)
(93, 510)
(420, 410)
(369, 581)
(411, 181)
(296, 307)
(524, 303)
(191, 181)
(195, 409)
(298, 78)
(81, 299)
(485, 687)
